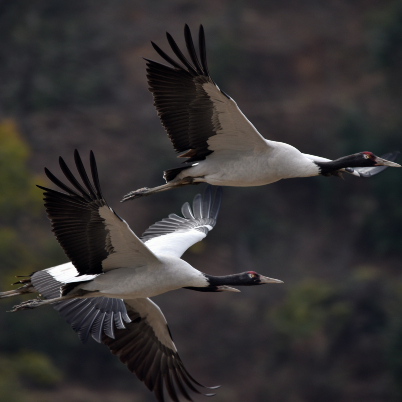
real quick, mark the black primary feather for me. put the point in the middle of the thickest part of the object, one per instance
(152, 362)
(75, 218)
(184, 107)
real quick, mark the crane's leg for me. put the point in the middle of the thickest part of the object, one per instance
(30, 304)
(26, 288)
(145, 191)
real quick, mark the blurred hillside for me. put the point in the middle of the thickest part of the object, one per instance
(322, 76)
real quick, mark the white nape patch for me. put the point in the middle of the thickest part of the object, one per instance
(67, 273)
(174, 244)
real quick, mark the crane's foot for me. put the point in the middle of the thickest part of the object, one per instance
(30, 304)
(132, 195)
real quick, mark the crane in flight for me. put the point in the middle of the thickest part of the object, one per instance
(223, 147)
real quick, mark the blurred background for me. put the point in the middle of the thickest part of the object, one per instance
(322, 76)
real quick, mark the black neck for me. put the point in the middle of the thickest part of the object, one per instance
(228, 280)
(355, 160)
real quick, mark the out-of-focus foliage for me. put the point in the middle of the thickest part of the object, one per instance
(341, 332)
(17, 192)
(20, 204)
(308, 308)
(322, 76)
(25, 368)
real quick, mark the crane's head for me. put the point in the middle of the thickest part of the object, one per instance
(252, 278)
(363, 159)
(359, 160)
(224, 283)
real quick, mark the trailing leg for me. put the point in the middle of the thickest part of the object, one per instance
(26, 288)
(145, 191)
(30, 304)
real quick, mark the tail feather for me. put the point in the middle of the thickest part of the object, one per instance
(90, 316)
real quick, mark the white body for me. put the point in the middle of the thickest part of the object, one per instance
(241, 156)
(130, 283)
(279, 161)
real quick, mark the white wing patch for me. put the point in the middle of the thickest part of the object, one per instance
(234, 131)
(128, 250)
(176, 243)
(172, 236)
(67, 273)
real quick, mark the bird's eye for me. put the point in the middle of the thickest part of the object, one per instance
(365, 156)
(252, 276)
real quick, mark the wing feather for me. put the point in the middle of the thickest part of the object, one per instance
(174, 235)
(196, 114)
(92, 235)
(147, 348)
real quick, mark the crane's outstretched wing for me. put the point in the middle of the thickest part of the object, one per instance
(92, 235)
(199, 117)
(147, 348)
(361, 171)
(174, 235)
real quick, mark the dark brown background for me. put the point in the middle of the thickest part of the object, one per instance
(322, 76)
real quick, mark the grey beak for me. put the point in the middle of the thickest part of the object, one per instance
(265, 279)
(384, 162)
(227, 289)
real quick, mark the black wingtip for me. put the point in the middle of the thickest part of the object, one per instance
(60, 184)
(165, 56)
(176, 50)
(191, 50)
(94, 171)
(203, 50)
(83, 174)
(41, 187)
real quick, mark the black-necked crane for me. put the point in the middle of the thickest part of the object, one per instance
(222, 146)
(104, 291)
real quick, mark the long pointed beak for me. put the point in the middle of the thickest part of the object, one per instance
(384, 162)
(227, 289)
(265, 279)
